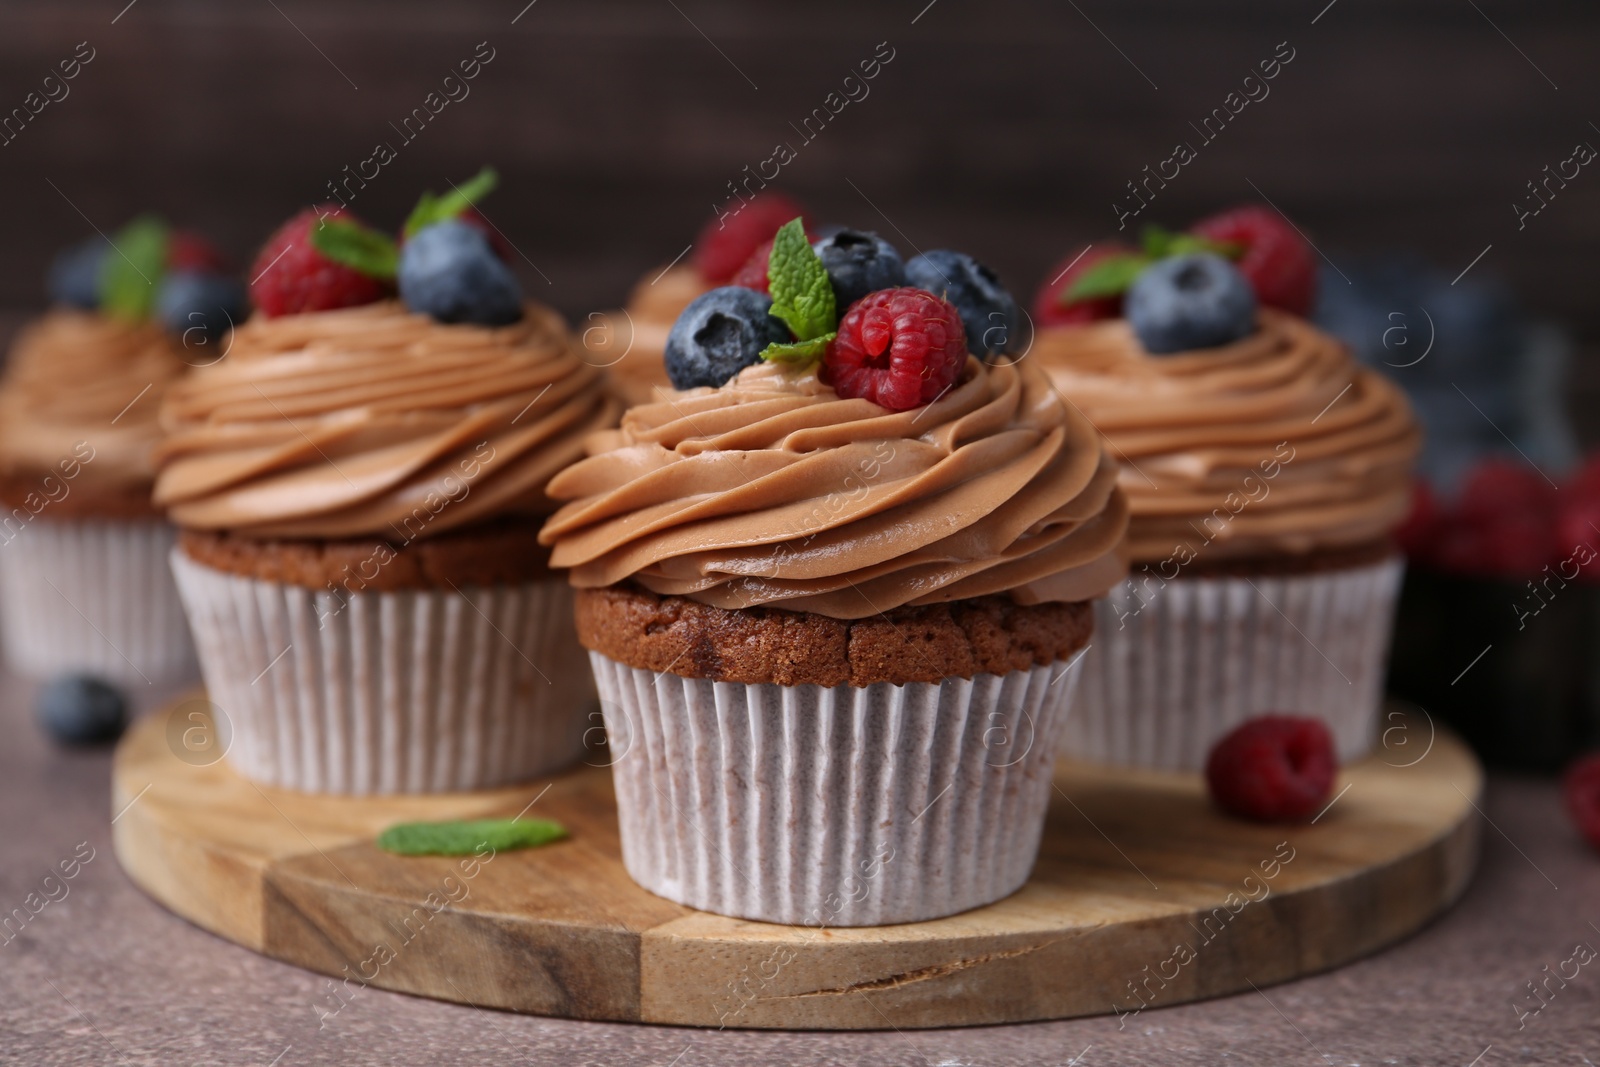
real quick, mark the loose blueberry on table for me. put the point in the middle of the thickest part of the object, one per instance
(79, 709)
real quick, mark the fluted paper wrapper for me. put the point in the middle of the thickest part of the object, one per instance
(94, 597)
(841, 806)
(1164, 681)
(419, 691)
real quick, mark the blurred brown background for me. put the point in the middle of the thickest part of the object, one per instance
(1006, 128)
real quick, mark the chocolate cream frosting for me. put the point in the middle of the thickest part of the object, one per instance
(78, 376)
(373, 421)
(1278, 444)
(774, 490)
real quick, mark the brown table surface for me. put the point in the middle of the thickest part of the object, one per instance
(105, 975)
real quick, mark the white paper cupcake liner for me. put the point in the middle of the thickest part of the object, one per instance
(419, 691)
(94, 597)
(1173, 670)
(836, 806)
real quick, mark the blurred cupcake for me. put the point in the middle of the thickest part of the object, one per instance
(831, 597)
(359, 486)
(1266, 472)
(732, 249)
(86, 586)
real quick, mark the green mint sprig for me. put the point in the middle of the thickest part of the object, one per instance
(358, 247)
(431, 209)
(466, 838)
(1114, 275)
(802, 297)
(130, 274)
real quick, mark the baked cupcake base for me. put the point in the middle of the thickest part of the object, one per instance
(1175, 666)
(358, 667)
(876, 783)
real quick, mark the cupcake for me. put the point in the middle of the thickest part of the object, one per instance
(732, 249)
(1266, 472)
(832, 600)
(359, 486)
(86, 587)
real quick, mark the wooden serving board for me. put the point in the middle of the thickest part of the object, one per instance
(1143, 894)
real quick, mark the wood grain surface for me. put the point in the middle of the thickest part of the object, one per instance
(1142, 894)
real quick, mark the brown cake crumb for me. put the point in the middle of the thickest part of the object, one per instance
(985, 635)
(1318, 562)
(49, 495)
(502, 552)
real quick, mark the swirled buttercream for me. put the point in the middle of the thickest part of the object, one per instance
(1276, 444)
(376, 421)
(77, 376)
(774, 490)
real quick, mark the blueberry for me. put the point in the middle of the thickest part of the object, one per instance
(719, 334)
(75, 274)
(78, 709)
(987, 310)
(199, 308)
(448, 270)
(1198, 300)
(859, 263)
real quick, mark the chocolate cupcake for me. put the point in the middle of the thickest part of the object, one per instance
(86, 586)
(1266, 472)
(359, 489)
(832, 605)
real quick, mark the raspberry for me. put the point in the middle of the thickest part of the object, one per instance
(897, 347)
(1580, 793)
(1273, 768)
(753, 275)
(1047, 307)
(726, 242)
(1418, 534)
(1279, 264)
(1579, 525)
(292, 276)
(1496, 487)
(188, 251)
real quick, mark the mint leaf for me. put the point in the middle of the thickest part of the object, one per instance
(357, 247)
(1184, 243)
(466, 838)
(130, 274)
(1109, 277)
(800, 352)
(431, 209)
(1156, 242)
(802, 295)
(1160, 244)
